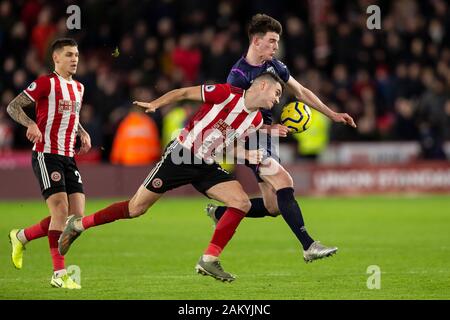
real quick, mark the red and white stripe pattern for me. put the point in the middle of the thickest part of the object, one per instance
(58, 104)
(220, 120)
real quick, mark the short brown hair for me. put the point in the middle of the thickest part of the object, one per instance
(61, 43)
(272, 76)
(261, 24)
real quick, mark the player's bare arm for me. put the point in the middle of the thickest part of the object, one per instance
(15, 110)
(306, 95)
(189, 93)
(85, 140)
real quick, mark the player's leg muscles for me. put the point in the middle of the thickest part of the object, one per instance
(275, 175)
(77, 204)
(138, 205)
(270, 198)
(59, 209)
(142, 200)
(40, 229)
(231, 194)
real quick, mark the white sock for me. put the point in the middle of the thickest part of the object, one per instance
(21, 236)
(209, 258)
(59, 273)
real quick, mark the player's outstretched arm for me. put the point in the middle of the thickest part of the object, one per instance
(15, 110)
(189, 93)
(306, 95)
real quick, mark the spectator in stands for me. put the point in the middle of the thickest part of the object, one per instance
(6, 131)
(137, 139)
(187, 57)
(433, 119)
(91, 124)
(175, 120)
(405, 127)
(42, 33)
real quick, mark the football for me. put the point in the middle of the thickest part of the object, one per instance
(296, 116)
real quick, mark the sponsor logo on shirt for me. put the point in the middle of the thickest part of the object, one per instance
(65, 106)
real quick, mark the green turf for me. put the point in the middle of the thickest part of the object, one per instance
(153, 257)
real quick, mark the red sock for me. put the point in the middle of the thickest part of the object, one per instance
(57, 259)
(38, 230)
(224, 231)
(112, 213)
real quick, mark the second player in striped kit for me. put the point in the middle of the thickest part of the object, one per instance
(57, 98)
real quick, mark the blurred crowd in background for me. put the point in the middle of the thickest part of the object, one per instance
(394, 81)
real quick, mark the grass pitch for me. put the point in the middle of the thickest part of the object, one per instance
(153, 257)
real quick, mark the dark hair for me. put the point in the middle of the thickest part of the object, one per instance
(61, 43)
(271, 75)
(261, 24)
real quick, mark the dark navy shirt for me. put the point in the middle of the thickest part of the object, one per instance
(242, 75)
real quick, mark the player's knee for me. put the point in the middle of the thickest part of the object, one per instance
(284, 180)
(240, 202)
(288, 181)
(137, 209)
(273, 210)
(60, 208)
(245, 205)
(274, 214)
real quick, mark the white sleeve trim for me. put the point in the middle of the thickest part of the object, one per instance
(29, 95)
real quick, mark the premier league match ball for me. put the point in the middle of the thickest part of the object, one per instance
(296, 116)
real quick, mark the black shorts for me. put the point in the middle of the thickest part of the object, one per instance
(171, 172)
(56, 173)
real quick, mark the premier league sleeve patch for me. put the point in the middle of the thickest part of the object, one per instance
(32, 86)
(210, 88)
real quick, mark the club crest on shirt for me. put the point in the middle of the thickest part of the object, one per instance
(210, 88)
(270, 69)
(32, 86)
(56, 176)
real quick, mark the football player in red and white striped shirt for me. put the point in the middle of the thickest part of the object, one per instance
(227, 114)
(57, 98)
